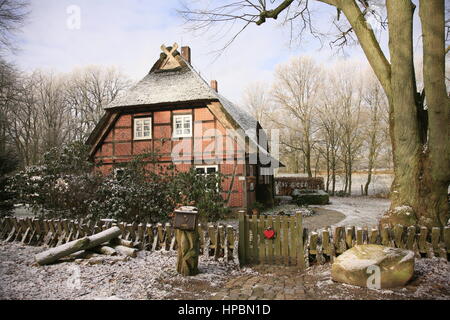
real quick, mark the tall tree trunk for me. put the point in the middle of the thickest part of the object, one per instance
(404, 129)
(435, 208)
(422, 168)
(349, 173)
(327, 189)
(308, 159)
(369, 178)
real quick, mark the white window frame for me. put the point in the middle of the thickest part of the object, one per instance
(136, 120)
(183, 118)
(206, 171)
(206, 167)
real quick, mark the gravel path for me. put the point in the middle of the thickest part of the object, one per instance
(358, 211)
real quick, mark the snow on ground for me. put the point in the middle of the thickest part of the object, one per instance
(358, 211)
(151, 275)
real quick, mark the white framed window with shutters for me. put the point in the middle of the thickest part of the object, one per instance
(142, 128)
(182, 126)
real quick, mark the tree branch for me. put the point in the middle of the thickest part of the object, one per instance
(273, 14)
(368, 42)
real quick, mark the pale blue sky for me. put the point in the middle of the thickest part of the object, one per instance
(129, 33)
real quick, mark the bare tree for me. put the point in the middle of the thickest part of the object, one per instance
(24, 121)
(377, 112)
(88, 91)
(296, 89)
(421, 161)
(257, 100)
(12, 17)
(346, 94)
(330, 139)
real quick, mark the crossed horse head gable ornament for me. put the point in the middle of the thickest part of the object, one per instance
(170, 62)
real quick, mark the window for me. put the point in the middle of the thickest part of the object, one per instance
(206, 169)
(142, 128)
(182, 126)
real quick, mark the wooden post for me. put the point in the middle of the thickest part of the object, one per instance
(212, 240)
(339, 241)
(435, 237)
(217, 242)
(188, 252)
(270, 243)
(160, 235)
(410, 238)
(262, 241)
(385, 236)
(149, 237)
(285, 242)
(326, 246)
(373, 236)
(254, 227)
(277, 244)
(359, 236)
(447, 241)
(422, 243)
(349, 235)
(169, 233)
(230, 243)
(299, 242)
(313, 246)
(398, 236)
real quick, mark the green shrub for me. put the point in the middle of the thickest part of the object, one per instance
(61, 187)
(313, 198)
(203, 192)
(65, 186)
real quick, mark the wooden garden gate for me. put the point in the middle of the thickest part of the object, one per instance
(286, 247)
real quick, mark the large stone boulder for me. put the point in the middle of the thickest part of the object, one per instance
(356, 265)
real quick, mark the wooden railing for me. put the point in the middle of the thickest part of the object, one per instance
(297, 246)
(216, 241)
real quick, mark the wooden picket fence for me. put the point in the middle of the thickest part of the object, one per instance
(216, 241)
(297, 246)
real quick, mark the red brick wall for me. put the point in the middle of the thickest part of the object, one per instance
(119, 146)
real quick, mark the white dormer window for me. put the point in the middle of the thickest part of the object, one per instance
(142, 128)
(182, 126)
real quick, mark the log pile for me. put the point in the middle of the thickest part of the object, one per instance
(106, 242)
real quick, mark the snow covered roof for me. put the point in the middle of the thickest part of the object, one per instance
(181, 84)
(166, 86)
(173, 80)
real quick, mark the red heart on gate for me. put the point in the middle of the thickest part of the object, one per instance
(269, 234)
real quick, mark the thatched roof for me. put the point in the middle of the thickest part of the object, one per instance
(179, 85)
(172, 80)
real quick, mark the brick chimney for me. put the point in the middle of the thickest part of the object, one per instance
(214, 85)
(186, 53)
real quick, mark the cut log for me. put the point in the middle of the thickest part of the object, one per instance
(85, 243)
(126, 251)
(105, 250)
(122, 242)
